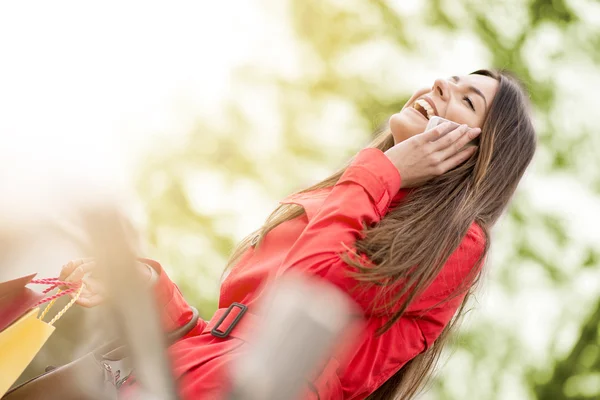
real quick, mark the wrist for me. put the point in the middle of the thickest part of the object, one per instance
(394, 160)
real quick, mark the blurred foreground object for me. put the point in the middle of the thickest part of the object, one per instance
(304, 321)
(139, 345)
(132, 305)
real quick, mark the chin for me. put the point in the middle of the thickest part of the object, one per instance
(404, 125)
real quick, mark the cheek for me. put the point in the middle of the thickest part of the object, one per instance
(462, 115)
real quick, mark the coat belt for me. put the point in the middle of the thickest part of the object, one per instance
(234, 321)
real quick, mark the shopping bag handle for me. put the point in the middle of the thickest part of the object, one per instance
(73, 287)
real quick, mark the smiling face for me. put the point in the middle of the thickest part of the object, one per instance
(462, 99)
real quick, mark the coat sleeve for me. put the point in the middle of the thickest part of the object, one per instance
(361, 198)
(174, 310)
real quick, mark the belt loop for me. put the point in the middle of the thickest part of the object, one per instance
(223, 334)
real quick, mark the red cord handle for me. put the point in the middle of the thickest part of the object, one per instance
(54, 283)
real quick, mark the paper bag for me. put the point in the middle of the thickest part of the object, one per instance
(21, 341)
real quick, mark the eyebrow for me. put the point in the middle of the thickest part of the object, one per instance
(472, 89)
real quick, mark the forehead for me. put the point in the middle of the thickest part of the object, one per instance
(487, 85)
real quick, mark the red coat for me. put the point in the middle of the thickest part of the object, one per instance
(312, 244)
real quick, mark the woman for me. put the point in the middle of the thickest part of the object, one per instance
(407, 222)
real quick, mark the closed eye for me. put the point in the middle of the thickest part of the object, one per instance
(468, 100)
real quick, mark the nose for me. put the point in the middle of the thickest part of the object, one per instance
(442, 88)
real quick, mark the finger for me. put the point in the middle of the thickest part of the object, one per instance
(94, 286)
(80, 272)
(459, 144)
(450, 138)
(457, 158)
(439, 131)
(92, 301)
(145, 270)
(69, 267)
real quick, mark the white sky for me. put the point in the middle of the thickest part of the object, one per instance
(84, 87)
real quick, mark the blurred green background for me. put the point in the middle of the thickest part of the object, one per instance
(302, 109)
(221, 109)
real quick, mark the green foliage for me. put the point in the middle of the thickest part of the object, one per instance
(538, 264)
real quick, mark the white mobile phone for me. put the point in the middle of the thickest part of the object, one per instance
(435, 121)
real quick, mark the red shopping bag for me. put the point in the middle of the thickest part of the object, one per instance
(16, 299)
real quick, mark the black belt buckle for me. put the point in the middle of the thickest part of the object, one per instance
(223, 334)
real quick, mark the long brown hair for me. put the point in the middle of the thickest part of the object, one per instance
(429, 224)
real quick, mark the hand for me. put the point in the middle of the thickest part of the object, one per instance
(432, 153)
(93, 292)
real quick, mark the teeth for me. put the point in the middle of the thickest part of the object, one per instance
(422, 103)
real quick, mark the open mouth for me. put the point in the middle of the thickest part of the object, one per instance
(424, 108)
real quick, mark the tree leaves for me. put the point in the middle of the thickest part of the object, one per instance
(534, 251)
